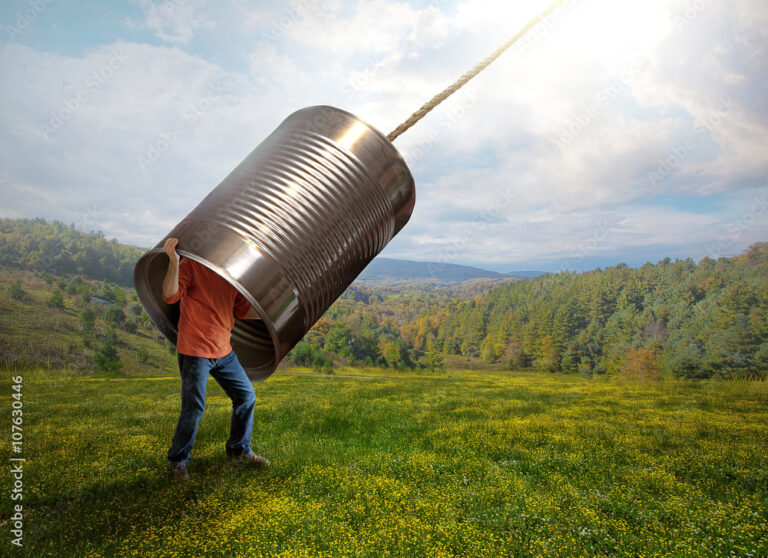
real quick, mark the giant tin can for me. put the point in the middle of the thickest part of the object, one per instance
(290, 228)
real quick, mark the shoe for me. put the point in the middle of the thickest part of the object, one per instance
(179, 471)
(252, 459)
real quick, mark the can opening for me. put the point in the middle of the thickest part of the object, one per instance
(252, 340)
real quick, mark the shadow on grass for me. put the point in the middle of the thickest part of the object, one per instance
(99, 517)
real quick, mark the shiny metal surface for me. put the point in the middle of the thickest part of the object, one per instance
(290, 228)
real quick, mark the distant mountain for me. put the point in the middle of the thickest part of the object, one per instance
(525, 274)
(388, 270)
(54, 247)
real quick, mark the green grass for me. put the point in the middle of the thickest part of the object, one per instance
(459, 463)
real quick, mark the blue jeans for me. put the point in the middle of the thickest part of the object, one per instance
(230, 375)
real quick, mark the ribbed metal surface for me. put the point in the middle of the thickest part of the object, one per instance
(313, 208)
(291, 227)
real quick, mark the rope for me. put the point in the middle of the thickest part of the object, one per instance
(450, 90)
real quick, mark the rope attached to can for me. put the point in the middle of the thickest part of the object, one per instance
(450, 90)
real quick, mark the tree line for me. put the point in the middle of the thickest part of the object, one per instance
(682, 318)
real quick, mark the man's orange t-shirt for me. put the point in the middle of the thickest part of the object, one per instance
(207, 305)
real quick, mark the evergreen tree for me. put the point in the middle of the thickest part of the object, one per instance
(106, 358)
(87, 320)
(56, 300)
(17, 292)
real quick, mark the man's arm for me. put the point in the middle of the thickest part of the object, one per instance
(171, 279)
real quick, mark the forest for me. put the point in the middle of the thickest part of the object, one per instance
(679, 318)
(59, 249)
(688, 319)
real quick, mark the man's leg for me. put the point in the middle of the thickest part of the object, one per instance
(194, 376)
(233, 380)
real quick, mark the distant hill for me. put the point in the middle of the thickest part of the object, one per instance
(525, 274)
(54, 247)
(66, 323)
(383, 270)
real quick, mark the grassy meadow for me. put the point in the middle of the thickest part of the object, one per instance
(463, 463)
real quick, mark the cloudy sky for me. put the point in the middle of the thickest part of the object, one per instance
(614, 132)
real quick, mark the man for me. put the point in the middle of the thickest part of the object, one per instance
(206, 319)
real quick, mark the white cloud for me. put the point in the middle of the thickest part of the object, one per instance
(376, 26)
(73, 147)
(174, 21)
(271, 67)
(555, 149)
